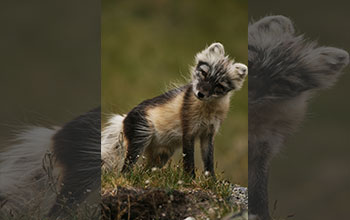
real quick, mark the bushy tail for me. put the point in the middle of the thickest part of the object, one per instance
(21, 169)
(112, 149)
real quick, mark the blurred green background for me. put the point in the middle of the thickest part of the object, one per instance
(146, 45)
(311, 177)
(50, 63)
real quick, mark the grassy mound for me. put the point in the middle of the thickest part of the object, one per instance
(168, 193)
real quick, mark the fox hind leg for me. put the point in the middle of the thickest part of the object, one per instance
(138, 135)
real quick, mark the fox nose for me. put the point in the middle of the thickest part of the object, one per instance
(200, 95)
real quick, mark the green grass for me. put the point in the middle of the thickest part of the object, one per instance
(172, 178)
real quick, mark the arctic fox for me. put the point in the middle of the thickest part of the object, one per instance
(158, 126)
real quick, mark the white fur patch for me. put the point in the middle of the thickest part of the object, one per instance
(112, 149)
(238, 74)
(24, 183)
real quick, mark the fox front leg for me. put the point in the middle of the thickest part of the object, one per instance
(188, 155)
(207, 150)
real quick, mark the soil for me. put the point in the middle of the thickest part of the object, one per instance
(143, 204)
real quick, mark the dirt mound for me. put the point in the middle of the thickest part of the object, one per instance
(153, 203)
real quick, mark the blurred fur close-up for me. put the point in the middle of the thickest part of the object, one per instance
(53, 172)
(309, 178)
(148, 49)
(49, 140)
(285, 72)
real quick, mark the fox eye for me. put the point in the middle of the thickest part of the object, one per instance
(220, 88)
(204, 74)
(201, 74)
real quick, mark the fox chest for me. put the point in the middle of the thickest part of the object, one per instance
(202, 121)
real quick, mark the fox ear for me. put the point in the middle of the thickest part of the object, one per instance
(326, 64)
(211, 54)
(278, 24)
(216, 48)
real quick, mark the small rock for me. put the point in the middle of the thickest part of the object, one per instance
(211, 213)
(237, 216)
(239, 196)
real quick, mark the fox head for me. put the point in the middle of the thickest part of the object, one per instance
(214, 74)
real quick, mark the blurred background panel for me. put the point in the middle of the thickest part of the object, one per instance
(49, 75)
(147, 45)
(311, 177)
(50, 62)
